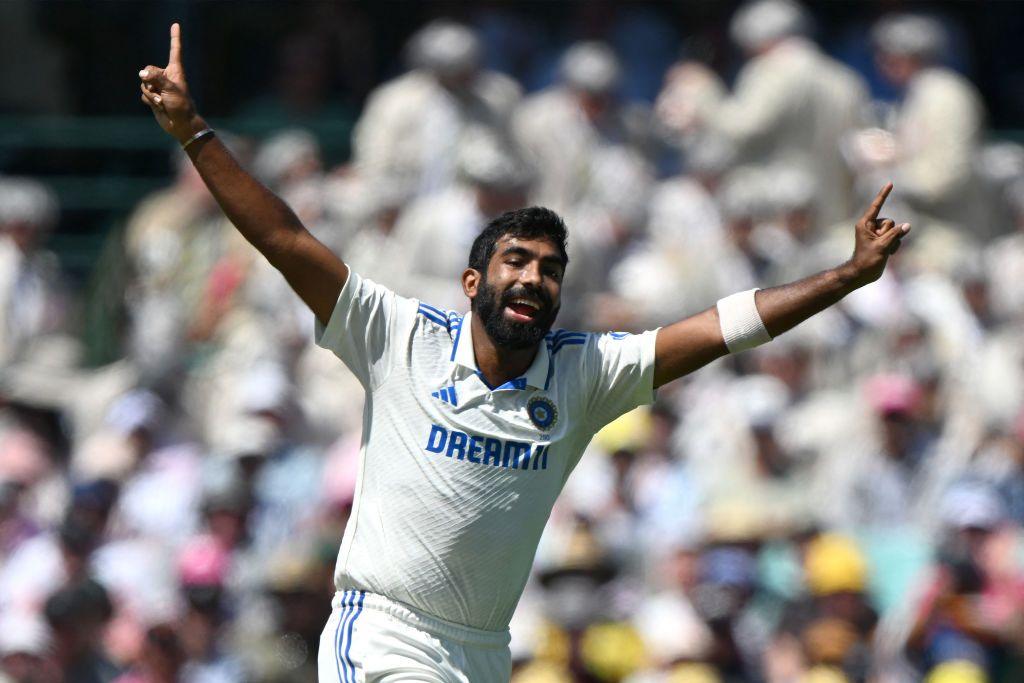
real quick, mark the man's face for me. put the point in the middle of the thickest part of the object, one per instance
(22, 234)
(897, 433)
(897, 69)
(518, 298)
(457, 81)
(594, 106)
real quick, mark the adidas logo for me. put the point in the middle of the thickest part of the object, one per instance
(447, 394)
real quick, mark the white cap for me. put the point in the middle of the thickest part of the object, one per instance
(1000, 162)
(482, 159)
(742, 194)
(137, 409)
(223, 485)
(591, 67)
(761, 22)
(969, 266)
(791, 188)
(671, 630)
(266, 388)
(23, 633)
(246, 436)
(972, 505)
(282, 151)
(762, 399)
(710, 154)
(355, 199)
(621, 182)
(23, 200)
(911, 35)
(445, 47)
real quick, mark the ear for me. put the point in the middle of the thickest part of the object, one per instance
(471, 282)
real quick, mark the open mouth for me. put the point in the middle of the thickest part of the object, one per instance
(522, 309)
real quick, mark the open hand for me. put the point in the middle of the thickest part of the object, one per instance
(876, 240)
(166, 93)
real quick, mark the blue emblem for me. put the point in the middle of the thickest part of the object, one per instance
(542, 412)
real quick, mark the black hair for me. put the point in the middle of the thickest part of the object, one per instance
(530, 223)
(78, 604)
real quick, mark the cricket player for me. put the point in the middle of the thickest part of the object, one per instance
(473, 421)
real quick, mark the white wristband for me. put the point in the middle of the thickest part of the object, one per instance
(742, 326)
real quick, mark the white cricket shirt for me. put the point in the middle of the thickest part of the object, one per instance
(456, 478)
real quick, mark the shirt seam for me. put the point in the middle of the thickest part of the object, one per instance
(389, 345)
(357, 498)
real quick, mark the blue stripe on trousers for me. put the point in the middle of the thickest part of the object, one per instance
(346, 658)
(337, 635)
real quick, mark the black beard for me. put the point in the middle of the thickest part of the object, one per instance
(489, 304)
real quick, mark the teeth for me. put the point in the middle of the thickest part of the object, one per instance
(526, 302)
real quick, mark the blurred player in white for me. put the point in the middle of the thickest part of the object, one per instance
(472, 422)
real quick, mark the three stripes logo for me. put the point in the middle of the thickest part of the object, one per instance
(447, 319)
(561, 338)
(447, 394)
(351, 606)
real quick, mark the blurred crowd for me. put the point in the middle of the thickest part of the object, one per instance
(843, 504)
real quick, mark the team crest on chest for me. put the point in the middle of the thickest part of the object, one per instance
(542, 412)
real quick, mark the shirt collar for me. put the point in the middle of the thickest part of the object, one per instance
(462, 355)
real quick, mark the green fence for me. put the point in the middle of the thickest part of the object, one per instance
(100, 167)
(113, 138)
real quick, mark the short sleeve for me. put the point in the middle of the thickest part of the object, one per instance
(362, 329)
(620, 369)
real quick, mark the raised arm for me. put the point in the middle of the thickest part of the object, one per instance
(694, 342)
(313, 271)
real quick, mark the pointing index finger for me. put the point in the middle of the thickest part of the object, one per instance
(175, 55)
(876, 206)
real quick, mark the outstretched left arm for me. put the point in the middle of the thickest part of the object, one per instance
(690, 344)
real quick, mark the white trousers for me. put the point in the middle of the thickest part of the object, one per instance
(371, 639)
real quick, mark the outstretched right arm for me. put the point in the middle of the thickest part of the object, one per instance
(313, 271)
